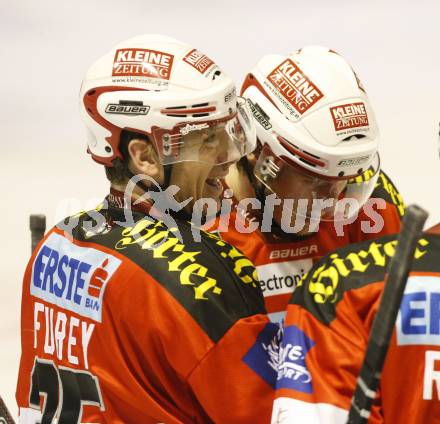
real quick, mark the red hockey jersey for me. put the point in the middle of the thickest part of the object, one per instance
(281, 261)
(136, 325)
(326, 333)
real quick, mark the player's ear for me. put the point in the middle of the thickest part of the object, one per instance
(253, 157)
(144, 159)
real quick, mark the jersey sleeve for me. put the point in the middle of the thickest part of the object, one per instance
(382, 213)
(322, 352)
(234, 382)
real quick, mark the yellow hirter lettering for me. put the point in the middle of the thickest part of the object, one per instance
(379, 258)
(167, 243)
(304, 278)
(192, 269)
(132, 235)
(175, 264)
(356, 261)
(201, 289)
(157, 237)
(339, 264)
(209, 284)
(233, 253)
(159, 251)
(238, 268)
(390, 248)
(322, 291)
(419, 253)
(138, 228)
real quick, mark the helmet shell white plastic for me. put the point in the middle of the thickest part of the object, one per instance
(311, 108)
(150, 81)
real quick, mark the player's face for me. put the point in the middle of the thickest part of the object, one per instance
(296, 185)
(202, 179)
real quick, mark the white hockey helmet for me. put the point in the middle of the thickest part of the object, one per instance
(169, 91)
(313, 116)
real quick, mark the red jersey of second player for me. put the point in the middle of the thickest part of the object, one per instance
(282, 261)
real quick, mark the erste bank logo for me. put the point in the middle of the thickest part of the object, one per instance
(71, 276)
(142, 63)
(418, 321)
(263, 356)
(198, 60)
(295, 86)
(351, 115)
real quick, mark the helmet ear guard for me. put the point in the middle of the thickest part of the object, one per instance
(107, 149)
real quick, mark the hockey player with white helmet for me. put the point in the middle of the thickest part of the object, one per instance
(135, 322)
(187, 108)
(330, 321)
(316, 169)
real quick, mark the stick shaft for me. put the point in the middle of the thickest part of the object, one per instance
(383, 325)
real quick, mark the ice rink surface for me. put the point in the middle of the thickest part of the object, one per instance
(47, 46)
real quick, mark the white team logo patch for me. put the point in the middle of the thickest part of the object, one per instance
(418, 321)
(71, 276)
(282, 277)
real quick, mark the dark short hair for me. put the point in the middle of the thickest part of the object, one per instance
(119, 173)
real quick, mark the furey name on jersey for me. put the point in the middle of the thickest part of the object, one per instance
(72, 278)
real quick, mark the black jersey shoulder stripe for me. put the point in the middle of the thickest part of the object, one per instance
(211, 279)
(355, 266)
(385, 189)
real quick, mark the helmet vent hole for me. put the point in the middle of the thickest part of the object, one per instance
(198, 115)
(307, 162)
(354, 136)
(176, 107)
(341, 174)
(108, 149)
(200, 105)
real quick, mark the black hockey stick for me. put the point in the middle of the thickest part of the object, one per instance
(37, 225)
(383, 325)
(5, 416)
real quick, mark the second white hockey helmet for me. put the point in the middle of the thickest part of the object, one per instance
(313, 119)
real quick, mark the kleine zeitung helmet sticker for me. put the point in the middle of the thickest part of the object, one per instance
(350, 115)
(198, 61)
(149, 64)
(293, 85)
